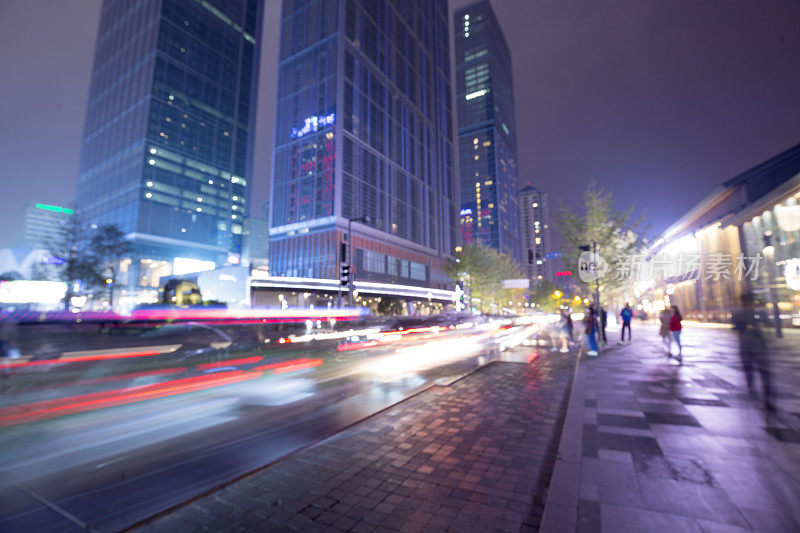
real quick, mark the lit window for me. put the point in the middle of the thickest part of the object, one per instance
(535, 204)
(235, 207)
(149, 183)
(211, 182)
(235, 197)
(199, 209)
(234, 217)
(153, 151)
(199, 199)
(538, 240)
(148, 195)
(477, 157)
(183, 230)
(466, 17)
(475, 140)
(152, 161)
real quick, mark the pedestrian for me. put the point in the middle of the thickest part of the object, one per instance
(752, 349)
(569, 324)
(590, 327)
(664, 318)
(675, 329)
(603, 324)
(626, 314)
(564, 332)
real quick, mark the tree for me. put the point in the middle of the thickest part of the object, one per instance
(11, 275)
(542, 295)
(483, 270)
(616, 233)
(70, 243)
(108, 247)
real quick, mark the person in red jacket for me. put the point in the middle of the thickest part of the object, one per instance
(675, 330)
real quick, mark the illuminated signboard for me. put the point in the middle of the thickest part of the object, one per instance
(465, 212)
(564, 273)
(55, 208)
(313, 124)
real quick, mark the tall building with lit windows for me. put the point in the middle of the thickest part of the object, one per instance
(363, 132)
(487, 145)
(169, 131)
(535, 235)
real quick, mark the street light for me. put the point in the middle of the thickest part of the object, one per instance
(769, 257)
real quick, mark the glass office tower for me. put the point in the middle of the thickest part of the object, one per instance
(169, 129)
(535, 234)
(363, 131)
(487, 145)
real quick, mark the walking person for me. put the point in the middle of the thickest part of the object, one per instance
(590, 327)
(664, 318)
(626, 315)
(568, 316)
(753, 350)
(603, 322)
(675, 329)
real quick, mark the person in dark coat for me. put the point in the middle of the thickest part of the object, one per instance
(752, 349)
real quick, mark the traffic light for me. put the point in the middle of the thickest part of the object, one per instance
(344, 274)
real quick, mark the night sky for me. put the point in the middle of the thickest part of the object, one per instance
(659, 101)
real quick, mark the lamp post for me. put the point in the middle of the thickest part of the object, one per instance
(769, 257)
(593, 248)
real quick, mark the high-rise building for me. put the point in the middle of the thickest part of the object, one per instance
(42, 224)
(169, 129)
(535, 235)
(487, 145)
(363, 133)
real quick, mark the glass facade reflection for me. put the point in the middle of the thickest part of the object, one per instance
(487, 146)
(169, 126)
(363, 131)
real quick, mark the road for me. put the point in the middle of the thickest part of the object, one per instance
(106, 440)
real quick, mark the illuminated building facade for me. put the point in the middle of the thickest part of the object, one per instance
(487, 145)
(169, 127)
(363, 131)
(535, 234)
(743, 237)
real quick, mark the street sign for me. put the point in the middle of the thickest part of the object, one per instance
(522, 283)
(552, 255)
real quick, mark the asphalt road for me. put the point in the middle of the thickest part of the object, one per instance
(103, 444)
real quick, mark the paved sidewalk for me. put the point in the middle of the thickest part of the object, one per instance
(649, 445)
(469, 457)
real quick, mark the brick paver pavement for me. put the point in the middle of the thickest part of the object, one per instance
(650, 445)
(471, 456)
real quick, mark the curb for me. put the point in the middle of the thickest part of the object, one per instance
(561, 504)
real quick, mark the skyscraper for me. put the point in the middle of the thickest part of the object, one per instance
(363, 133)
(535, 234)
(169, 129)
(487, 145)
